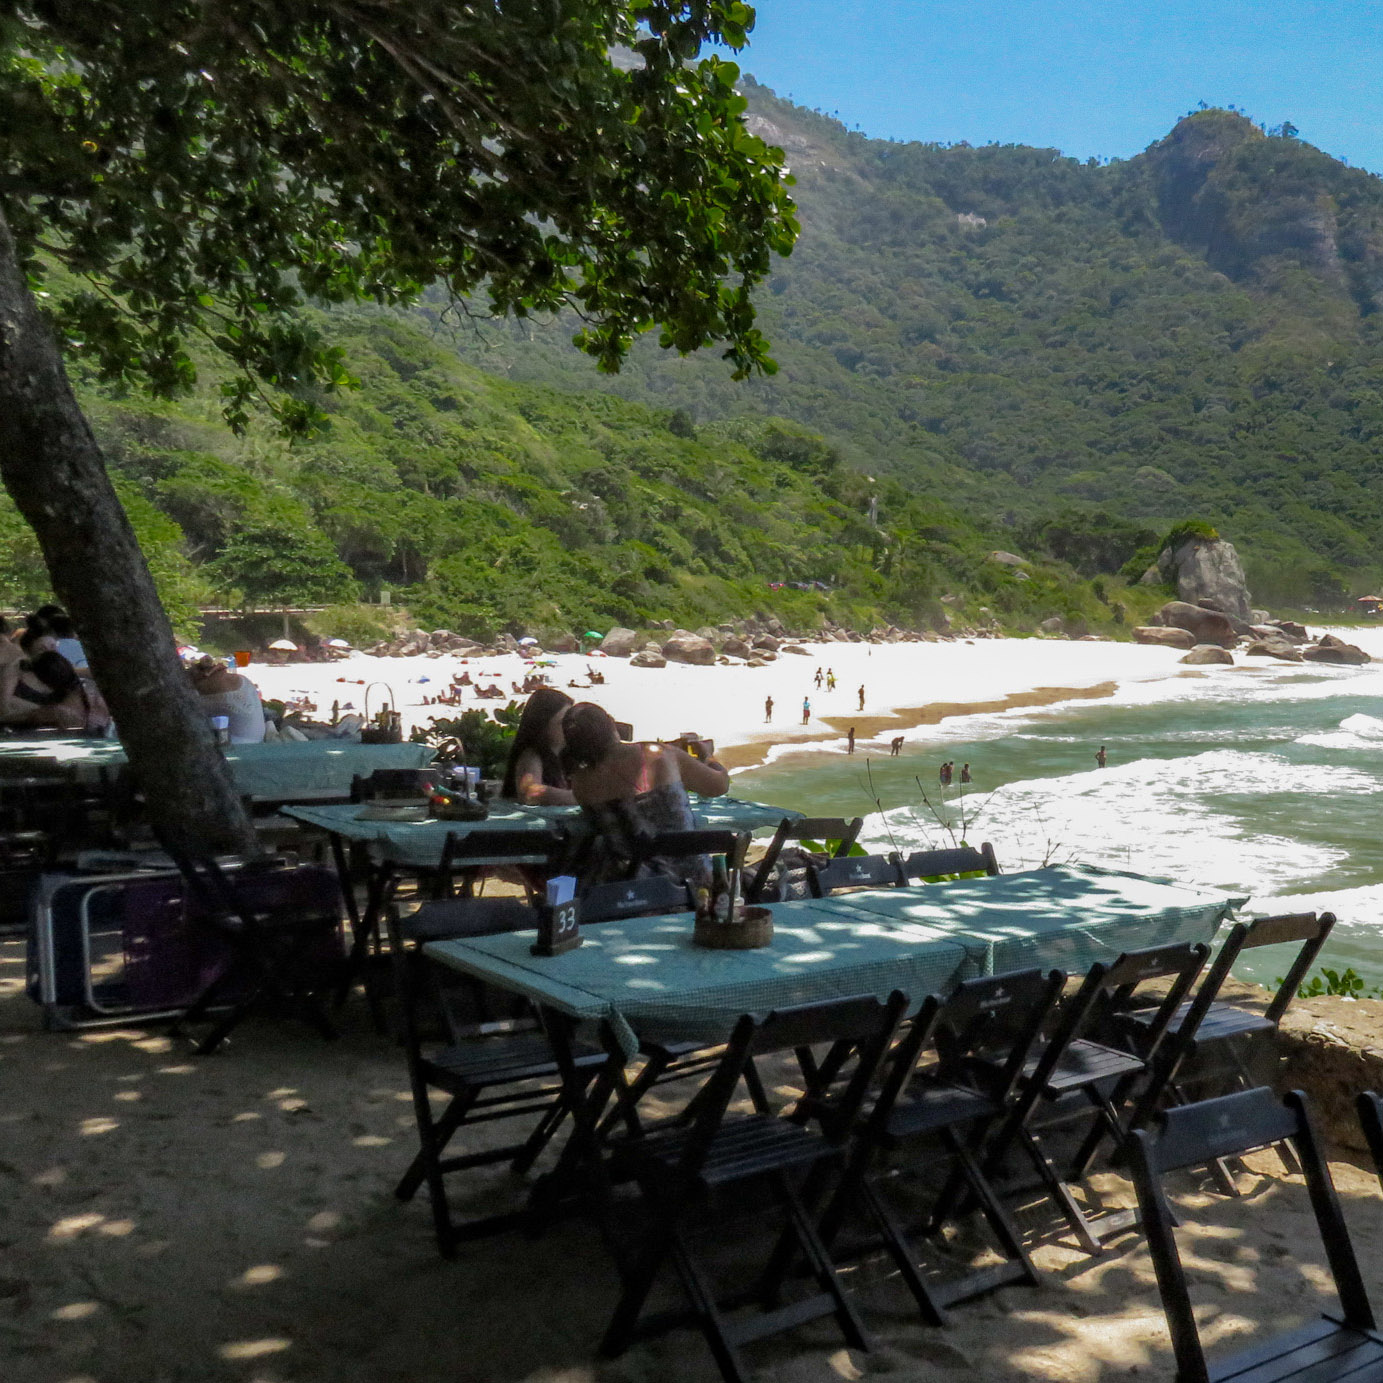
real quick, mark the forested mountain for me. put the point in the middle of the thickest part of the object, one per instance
(980, 348)
(1194, 331)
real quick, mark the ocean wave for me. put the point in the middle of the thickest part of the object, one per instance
(1358, 731)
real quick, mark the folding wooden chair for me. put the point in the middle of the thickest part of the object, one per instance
(680, 1167)
(855, 871)
(1075, 1077)
(952, 1103)
(924, 865)
(282, 928)
(813, 828)
(1343, 1345)
(1370, 1108)
(485, 1078)
(647, 897)
(680, 844)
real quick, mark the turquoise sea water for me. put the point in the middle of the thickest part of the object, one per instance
(1266, 781)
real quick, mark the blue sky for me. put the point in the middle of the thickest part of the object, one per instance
(1089, 78)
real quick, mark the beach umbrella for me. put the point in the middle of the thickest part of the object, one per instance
(528, 641)
(591, 634)
(337, 643)
(287, 645)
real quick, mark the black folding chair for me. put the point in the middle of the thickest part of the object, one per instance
(675, 845)
(650, 896)
(1370, 1108)
(1075, 1077)
(280, 952)
(1208, 1041)
(680, 1167)
(953, 1103)
(813, 828)
(855, 871)
(1343, 1345)
(384, 783)
(485, 1078)
(962, 859)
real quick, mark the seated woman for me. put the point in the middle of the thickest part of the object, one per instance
(534, 774)
(226, 693)
(629, 791)
(46, 691)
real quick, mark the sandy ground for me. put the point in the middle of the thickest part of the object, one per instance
(168, 1219)
(905, 686)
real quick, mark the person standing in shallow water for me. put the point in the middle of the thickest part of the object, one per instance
(1101, 759)
(965, 773)
(850, 741)
(768, 709)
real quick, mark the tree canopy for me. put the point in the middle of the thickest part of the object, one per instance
(203, 169)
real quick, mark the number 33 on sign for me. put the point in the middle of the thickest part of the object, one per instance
(559, 925)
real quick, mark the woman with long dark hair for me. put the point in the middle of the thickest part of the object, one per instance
(629, 791)
(534, 773)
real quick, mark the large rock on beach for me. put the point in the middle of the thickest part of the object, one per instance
(1208, 569)
(795, 648)
(686, 647)
(1053, 625)
(1291, 629)
(1208, 626)
(1273, 648)
(1204, 653)
(735, 647)
(766, 642)
(1333, 650)
(1168, 638)
(564, 643)
(647, 658)
(619, 642)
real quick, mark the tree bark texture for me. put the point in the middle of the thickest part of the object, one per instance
(52, 467)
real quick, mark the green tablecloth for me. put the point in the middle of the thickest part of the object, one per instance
(273, 772)
(1064, 917)
(645, 977)
(419, 843)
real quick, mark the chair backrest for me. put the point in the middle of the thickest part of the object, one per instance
(1309, 928)
(648, 897)
(999, 1016)
(963, 859)
(388, 782)
(856, 871)
(864, 1021)
(1195, 1134)
(822, 828)
(463, 849)
(1109, 987)
(674, 845)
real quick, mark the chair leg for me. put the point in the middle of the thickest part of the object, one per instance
(900, 1250)
(638, 1283)
(702, 1298)
(1060, 1193)
(433, 1142)
(541, 1136)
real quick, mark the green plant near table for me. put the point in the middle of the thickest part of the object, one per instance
(480, 739)
(1345, 984)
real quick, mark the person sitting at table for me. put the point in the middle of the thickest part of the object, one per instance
(226, 693)
(64, 635)
(634, 790)
(534, 774)
(46, 691)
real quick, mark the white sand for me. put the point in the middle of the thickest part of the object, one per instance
(726, 703)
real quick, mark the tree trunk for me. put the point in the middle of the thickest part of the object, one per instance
(51, 465)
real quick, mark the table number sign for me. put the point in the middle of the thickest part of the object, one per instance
(559, 924)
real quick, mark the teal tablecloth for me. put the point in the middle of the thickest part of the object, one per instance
(274, 772)
(1064, 917)
(419, 843)
(646, 978)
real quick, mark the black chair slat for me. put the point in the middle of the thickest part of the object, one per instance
(816, 828)
(654, 895)
(962, 859)
(856, 871)
(447, 919)
(1193, 1134)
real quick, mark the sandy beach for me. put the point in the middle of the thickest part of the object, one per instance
(906, 686)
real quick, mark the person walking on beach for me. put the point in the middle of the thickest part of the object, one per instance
(861, 698)
(830, 680)
(806, 709)
(895, 746)
(818, 679)
(965, 773)
(768, 709)
(850, 741)
(1101, 759)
